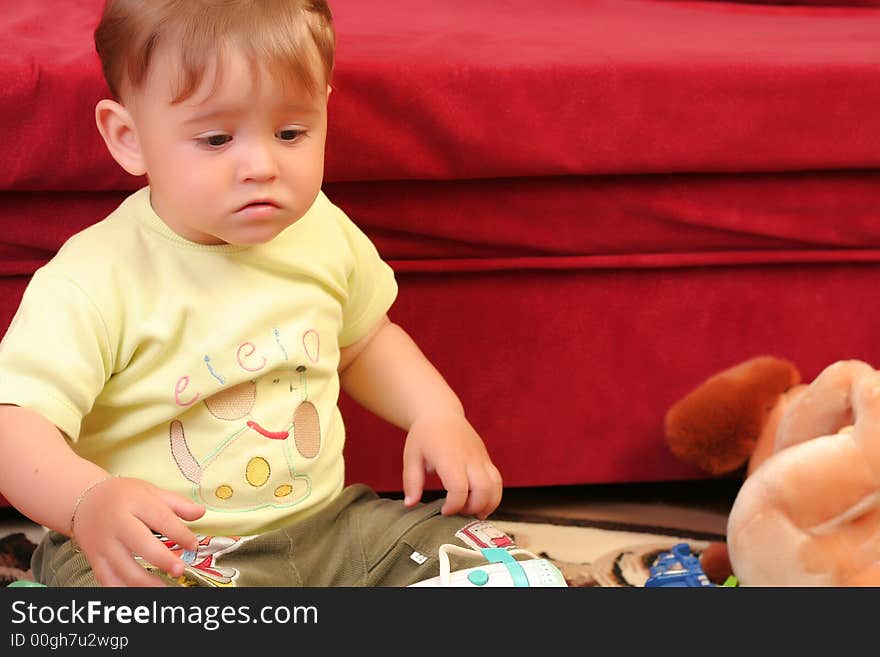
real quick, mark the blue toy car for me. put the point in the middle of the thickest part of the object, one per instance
(677, 568)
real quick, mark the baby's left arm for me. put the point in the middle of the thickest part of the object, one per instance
(387, 373)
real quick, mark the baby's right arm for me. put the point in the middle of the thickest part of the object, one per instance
(114, 517)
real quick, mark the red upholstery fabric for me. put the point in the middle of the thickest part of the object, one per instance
(591, 206)
(462, 89)
(809, 3)
(568, 373)
(549, 223)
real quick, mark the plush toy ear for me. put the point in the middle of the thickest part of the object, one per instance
(716, 426)
(715, 561)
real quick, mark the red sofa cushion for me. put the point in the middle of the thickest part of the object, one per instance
(807, 3)
(463, 89)
(548, 223)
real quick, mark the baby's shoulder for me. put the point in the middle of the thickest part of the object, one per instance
(96, 251)
(336, 223)
(98, 261)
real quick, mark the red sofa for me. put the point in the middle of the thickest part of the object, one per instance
(591, 206)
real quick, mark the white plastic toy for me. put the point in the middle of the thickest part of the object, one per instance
(501, 570)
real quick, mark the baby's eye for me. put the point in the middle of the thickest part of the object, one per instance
(289, 134)
(215, 141)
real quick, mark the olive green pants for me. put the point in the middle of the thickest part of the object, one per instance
(359, 539)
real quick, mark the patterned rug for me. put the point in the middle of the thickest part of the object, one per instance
(15, 558)
(591, 556)
(611, 534)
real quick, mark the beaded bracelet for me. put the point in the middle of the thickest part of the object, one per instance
(79, 500)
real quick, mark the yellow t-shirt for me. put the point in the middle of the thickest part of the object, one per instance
(206, 370)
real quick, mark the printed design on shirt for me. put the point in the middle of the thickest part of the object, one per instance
(481, 534)
(201, 565)
(306, 424)
(254, 466)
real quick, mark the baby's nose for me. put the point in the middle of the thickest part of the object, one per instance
(258, 163)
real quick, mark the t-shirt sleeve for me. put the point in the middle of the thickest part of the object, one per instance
(56, 356)
(371, 287)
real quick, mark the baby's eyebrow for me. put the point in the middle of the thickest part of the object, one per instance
(294, 110)
(212, 115)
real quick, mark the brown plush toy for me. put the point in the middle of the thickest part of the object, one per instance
(808, 512)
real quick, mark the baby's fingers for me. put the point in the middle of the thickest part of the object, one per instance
(485, 494)
(144, 544)
(117, 567)
(455, 482)
(162, 520)
(413, 476)
(497, 485)
(182, 506)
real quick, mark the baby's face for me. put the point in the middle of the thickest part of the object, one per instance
(235, 164)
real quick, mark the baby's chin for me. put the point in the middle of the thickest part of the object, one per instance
(253, 235)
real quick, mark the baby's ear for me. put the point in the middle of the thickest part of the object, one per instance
(118, 130)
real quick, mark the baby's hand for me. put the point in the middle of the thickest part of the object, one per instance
(448, 445)
(115, 521)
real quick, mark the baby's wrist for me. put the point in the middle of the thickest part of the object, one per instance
(450, 410)
(82, 496)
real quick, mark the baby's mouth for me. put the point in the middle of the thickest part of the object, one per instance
(259, 204)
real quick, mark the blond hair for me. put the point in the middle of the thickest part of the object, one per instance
(293, 38)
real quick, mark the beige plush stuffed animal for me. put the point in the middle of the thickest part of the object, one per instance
(808, 512)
